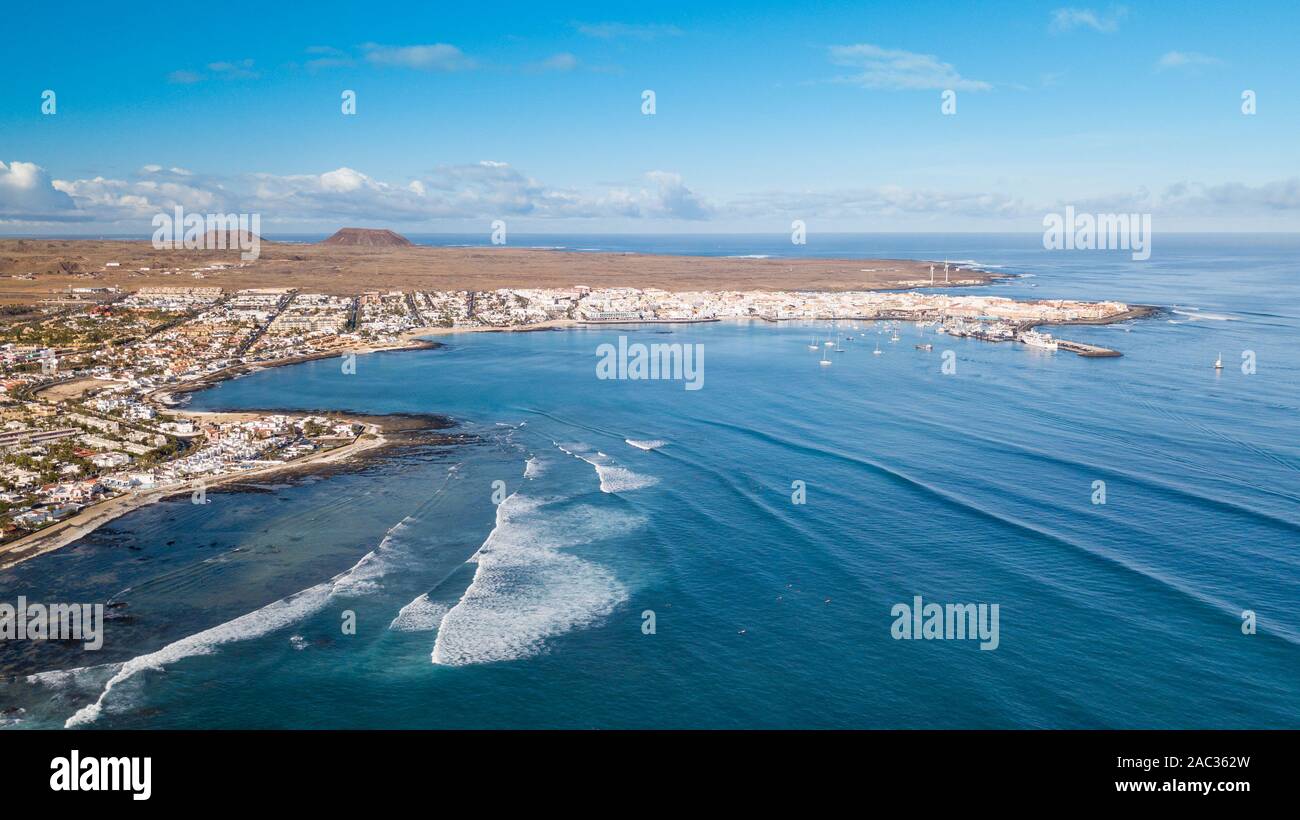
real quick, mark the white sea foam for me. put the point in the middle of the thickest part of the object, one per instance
(420, 615)
(613, 478)
(971, 263)
(277, 615)
(526, 589)
(1197, 313)
(272, 617)
(533, 467)
(651, 444)
(620, 479)
(88, 678)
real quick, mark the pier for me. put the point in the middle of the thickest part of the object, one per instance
(1087, 350)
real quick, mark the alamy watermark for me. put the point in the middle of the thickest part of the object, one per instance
(634, 362)
(102, 774)
(1072, 231)
(209, 232)
(53, 622)
(934, 622)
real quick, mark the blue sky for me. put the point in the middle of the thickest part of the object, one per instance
(765, 113)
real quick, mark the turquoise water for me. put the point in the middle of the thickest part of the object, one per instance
(970, 487)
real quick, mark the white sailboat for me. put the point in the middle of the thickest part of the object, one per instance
(812, 345)
(1218, 363)
(876, 352)
(825, 361)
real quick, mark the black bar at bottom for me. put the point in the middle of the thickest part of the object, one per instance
(241, 769)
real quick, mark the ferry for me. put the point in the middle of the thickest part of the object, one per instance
(1035, 339)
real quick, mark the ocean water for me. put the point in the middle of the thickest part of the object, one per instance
(623, 498)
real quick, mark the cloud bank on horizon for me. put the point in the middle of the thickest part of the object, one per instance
(488, 190)
(860, 119)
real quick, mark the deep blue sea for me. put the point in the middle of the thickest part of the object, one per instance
(629, 502)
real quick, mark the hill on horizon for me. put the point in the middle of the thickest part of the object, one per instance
(367, 237)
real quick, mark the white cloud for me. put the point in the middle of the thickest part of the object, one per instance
(896, 69)
(883, 201)
(1068, 19)
(26, 194)
(492, 189)
(1184, 59)
(328, 57)
(557, 62)
(241, 70)
(184, 77)
(435, 57)
(642, 31)
(487, 189)
(238, 70)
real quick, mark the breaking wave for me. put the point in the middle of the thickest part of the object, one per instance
(652, 444)
(363, 577)
(420, 615)
(526, 589)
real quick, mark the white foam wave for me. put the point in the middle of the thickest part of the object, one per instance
(526, 589)
(620, 479)
(971, 263)
(651, 444)
(420, 615)
(270, 618)
(533, 467)
(277, 615)
(613, 478)
(1196, 313)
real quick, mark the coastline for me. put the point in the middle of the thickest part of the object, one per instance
(91, 518)
(381, 429)
(380, 432)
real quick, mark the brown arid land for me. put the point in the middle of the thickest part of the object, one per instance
(36, 269)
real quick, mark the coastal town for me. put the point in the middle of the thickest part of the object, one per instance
(93, 394)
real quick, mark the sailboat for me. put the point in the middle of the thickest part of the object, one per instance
(895, 337)
(840, 348)
(812, 345)
(1218, 363)
(825, 361)
(876, 352)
